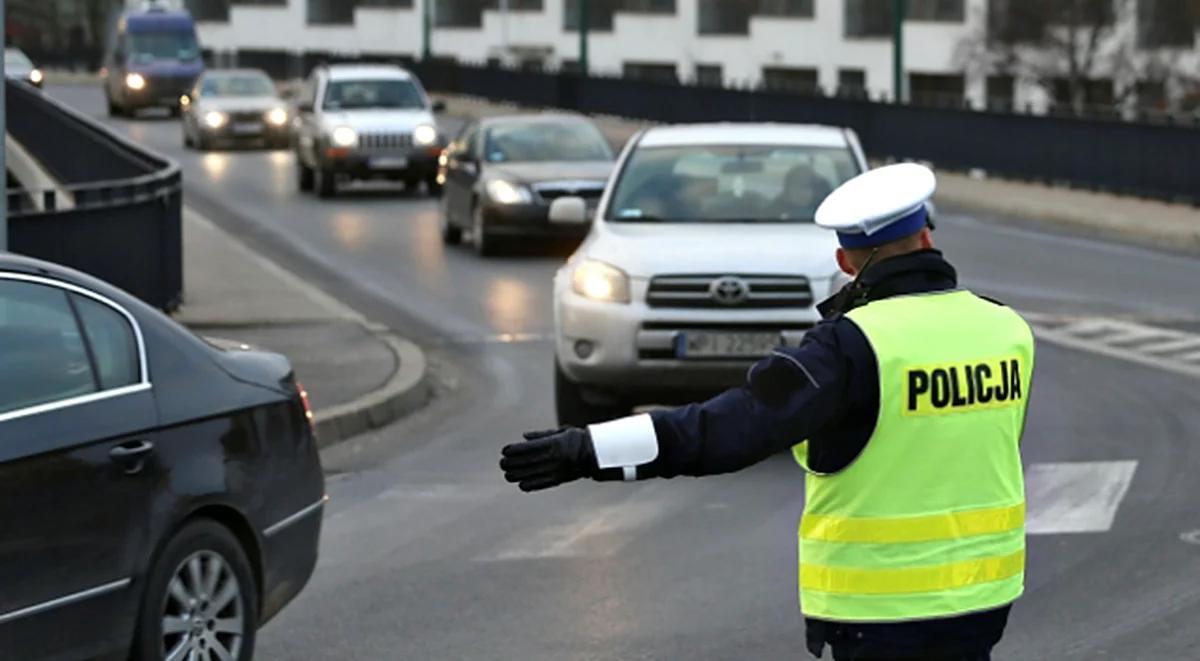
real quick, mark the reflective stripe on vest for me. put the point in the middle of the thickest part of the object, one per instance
(929, 520)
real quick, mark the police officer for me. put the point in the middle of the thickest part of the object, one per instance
(905, 407)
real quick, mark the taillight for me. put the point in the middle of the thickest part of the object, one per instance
(308, 412)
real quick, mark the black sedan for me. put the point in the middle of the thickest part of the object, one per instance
(501, 174)
(160, 496)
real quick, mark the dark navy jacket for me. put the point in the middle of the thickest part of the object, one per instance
(826, 390)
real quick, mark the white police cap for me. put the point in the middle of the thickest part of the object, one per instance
(879, 206)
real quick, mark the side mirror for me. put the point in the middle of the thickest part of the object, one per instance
(569, 210)
(438, 106)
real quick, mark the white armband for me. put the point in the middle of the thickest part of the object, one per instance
(625, 443)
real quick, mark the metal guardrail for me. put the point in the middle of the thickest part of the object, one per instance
(125, 223)
(1150, 160)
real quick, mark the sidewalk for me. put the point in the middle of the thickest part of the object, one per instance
(1148, 222)
(359, 376)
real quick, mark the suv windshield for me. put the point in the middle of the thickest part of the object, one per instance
(546, 141)
(172, 45)
(237, 85)
(724, 183)
(351, 94)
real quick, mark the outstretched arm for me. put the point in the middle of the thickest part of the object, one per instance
(787, 397)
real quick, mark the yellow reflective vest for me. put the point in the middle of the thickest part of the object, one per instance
(929, 520)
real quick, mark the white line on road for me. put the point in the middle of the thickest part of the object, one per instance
(1075, 497)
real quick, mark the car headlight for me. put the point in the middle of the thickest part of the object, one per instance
(344, 136)
(277, 117)
(214, 119)
(504, 192)
(600, 282)
(36, 76)
(424, 135)
(135, 81)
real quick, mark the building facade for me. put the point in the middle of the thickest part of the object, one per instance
(998, 54)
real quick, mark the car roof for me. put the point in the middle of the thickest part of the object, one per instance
(534, 117)
(366, 72)
(734, 133)
(234, 72)
(13, 263)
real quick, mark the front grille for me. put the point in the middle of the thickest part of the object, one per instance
(246, 117)
(385, 141)
(729, 291)
(167, 85)
(552, 190)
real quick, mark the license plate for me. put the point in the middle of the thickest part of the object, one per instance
(727, 345)
(389, 163)
(247, 129)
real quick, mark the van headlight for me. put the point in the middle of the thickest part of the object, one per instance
(504, 192)
(424, 135)
(344, 136)
(135, 81)
(600, 282)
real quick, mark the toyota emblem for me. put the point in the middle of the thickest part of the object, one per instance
(729, 290)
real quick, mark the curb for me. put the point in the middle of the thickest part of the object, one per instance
(406, 391)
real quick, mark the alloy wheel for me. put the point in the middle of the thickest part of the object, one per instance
(203, 613)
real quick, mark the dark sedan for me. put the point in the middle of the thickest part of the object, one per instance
(500, 175)
(160, 496)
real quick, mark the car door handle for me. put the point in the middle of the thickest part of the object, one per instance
(132, 455)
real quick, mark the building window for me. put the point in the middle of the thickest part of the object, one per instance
(1152, 95)
(1096, 96)
(469, 13)
(709, 75)
(852, 83)
(651, 71)
(943, 11)
(790, 79)
(601, 12)
(208, 11)
(1023, 21)
(330, 12)
(1001, 93)
(935, 89)
(1166, 23)
(733, 16)
(873, 18)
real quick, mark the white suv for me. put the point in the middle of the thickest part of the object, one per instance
(702, 258)
(364, 122)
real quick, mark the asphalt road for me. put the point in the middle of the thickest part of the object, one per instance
(428, 554)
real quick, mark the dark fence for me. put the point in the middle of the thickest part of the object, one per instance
(1122, 157)
(125, 225)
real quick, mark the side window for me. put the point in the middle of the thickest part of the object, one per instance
(43, 358)
(111, 340)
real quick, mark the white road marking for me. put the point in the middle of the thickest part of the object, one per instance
(603, 533)
(1152, 346)
(1075, 497)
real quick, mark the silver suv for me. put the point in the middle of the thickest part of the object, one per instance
(365, 122)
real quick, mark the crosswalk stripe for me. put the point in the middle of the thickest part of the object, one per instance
(1075, 497)
(1151, 346)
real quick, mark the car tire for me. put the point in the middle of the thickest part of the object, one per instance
(202, 143)
(187, 139)
(574, 410)
(451, 233)
(305, 177)
(179, 610)
(486, 243)
(325, 183)
(113, 109)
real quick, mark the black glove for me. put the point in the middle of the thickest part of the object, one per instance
(549, 458)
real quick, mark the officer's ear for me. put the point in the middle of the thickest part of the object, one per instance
(845, 264)
(926, 239)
